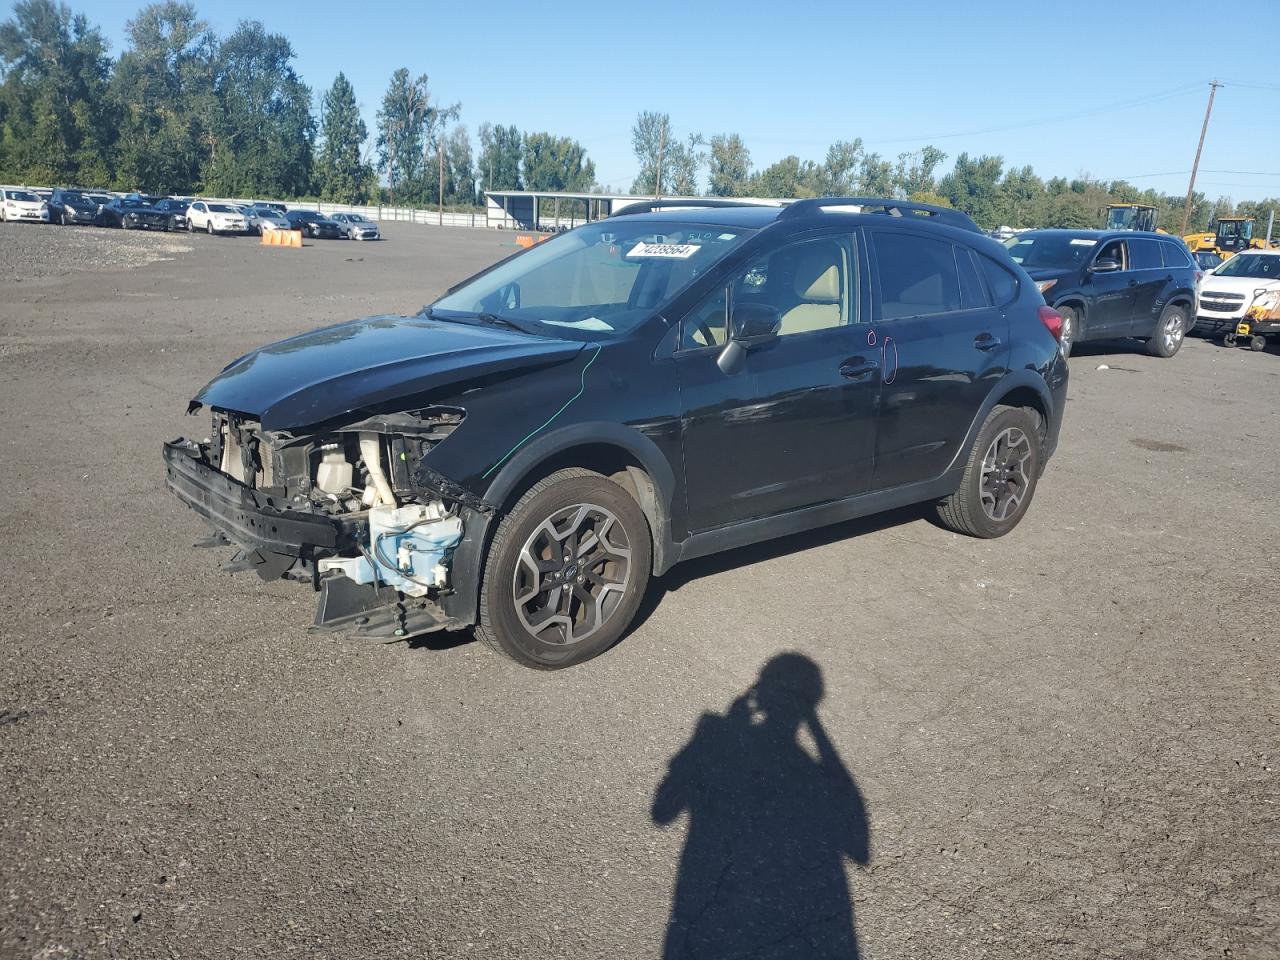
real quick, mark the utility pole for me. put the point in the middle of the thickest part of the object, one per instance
(1191, 188)
(662, 143)
(441, 149)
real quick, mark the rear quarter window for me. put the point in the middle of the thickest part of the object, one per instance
(1174, 255)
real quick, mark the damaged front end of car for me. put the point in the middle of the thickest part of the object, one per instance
(355, 511)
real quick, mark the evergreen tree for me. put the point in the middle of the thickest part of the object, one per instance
(341, 173)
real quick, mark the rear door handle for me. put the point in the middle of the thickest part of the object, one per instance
(985, 341)
(858, 368)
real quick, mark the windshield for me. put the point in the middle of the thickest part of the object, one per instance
(25, 196)
(1231, 229)
(222, 208)
(602, 278)
(1121, 218)
(133, 203)
(1063, 252)
(1251, 265)
(74, 198)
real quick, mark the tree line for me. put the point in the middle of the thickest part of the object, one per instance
(182, 110)
(993, 194)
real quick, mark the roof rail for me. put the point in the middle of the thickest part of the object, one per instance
(647, 206)
(892, 208)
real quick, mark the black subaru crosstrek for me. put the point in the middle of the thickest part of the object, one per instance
(523, 454)
(1109, 285)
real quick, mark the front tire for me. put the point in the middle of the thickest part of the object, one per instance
(999, 478)
(1170, 331)
(208, 227)
(566, 571)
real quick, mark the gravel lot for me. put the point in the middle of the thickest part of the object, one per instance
(1065, 741)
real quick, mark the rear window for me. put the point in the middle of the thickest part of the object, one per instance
(1145, 254)
(918, 275)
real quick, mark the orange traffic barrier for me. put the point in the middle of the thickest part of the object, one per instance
(527, 240)
(282, 238)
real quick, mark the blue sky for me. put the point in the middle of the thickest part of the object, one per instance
(1110, 89)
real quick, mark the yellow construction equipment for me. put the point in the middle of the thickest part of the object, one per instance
(1131, 216)
(1228, 237)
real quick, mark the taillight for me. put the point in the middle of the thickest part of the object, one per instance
(1052, 321)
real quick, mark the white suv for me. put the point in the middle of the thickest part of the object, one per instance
(1225, 295)
(213, 217)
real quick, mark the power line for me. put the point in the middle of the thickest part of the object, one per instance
(1178, 173)
(1142, 101)
(1078, 115)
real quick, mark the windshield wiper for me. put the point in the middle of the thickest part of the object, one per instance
(491, 319)
(494, 320)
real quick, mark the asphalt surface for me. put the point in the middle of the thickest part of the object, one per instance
(1062, 743)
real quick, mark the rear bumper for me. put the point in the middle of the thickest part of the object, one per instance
(247, 517)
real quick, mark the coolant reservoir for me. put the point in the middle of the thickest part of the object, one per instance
(333, 475)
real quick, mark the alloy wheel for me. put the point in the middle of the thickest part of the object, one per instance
(1005, 480)
(572, 574)
(1173, 331)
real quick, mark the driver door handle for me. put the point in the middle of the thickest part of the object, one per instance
(858, 368)
(985, 341)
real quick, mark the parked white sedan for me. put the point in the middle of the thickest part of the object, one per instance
(17, 203)
(213, 217)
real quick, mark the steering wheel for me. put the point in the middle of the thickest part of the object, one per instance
(708, 338)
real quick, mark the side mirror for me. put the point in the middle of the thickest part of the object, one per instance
(1105, 265)
(754, 323)
(750, 325)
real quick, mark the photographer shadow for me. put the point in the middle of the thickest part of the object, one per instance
(771, 823)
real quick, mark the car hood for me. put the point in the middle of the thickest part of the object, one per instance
(1212, 283)
(329, 373)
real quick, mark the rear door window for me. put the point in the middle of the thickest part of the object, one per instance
(1145, 255)
(972, 293)
(1003, 284)
(918, 275)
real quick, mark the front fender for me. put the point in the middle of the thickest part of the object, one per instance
(469, 555)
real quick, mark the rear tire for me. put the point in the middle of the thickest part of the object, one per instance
(1258, 344)
(1170, 331)
(1070, 328)
(549, 609)
(1000, 476)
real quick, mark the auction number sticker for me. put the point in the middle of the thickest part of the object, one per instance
(670, 251)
